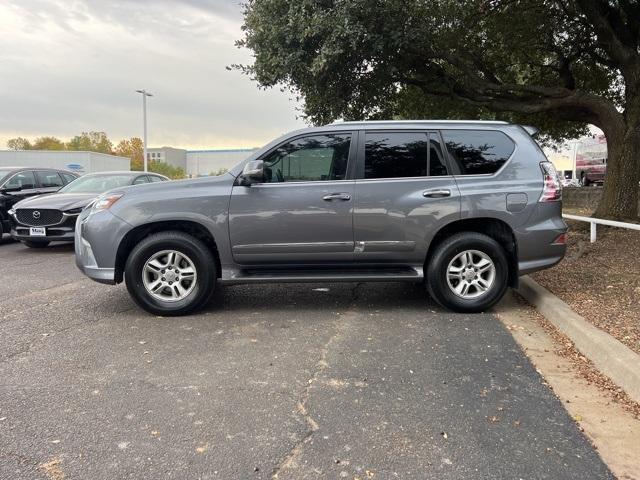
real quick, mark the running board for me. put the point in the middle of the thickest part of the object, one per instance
(395, 274)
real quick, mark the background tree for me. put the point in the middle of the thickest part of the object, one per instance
(47, 143)
(559, 64)
(91, 142)
(166, 169)
(18, 143)
(134, 149)
(219, 171)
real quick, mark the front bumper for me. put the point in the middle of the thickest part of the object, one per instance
(86, 261)
(96, 243)
(59, 232)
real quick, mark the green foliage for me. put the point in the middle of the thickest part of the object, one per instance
(18, 143)
(166, 169)
(91, 142)
(521, 61)
(99, 142)
(134, 149)
(87, 141)
(220, 171)
(47, 143)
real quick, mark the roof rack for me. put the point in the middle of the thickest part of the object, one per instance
(368, 122)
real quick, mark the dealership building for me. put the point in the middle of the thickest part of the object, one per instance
(199, 162)
(79, 162)
(194, 162)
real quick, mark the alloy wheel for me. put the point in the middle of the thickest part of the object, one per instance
(471, 274)
(169, 275)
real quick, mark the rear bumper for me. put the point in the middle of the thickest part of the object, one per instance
(536, 247)
(531, 266)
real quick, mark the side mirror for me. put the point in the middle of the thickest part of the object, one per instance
(253, 172)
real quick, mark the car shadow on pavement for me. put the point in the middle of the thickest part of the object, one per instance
(55, 248)
(321, 296)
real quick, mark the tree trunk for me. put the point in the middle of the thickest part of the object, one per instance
(620, 196)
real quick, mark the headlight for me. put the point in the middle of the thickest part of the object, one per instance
(105, 202)
(73, 211)
(12, 212)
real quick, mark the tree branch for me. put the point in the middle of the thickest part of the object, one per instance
(613, 34)
(574, 105)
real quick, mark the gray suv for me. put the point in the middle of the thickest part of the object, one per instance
(465, 207)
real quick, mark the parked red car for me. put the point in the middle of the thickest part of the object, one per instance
(591, 161)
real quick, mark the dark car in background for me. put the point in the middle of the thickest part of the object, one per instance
(51, 218)
(18, 183)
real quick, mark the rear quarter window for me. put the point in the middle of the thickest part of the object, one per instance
(477, 152)
(67, 177)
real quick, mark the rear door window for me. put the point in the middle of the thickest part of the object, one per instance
(403, 154)
(477, 152)
(49, 179)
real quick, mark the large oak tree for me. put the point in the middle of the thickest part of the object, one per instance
(558, 64)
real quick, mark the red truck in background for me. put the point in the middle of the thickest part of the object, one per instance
(591, 160)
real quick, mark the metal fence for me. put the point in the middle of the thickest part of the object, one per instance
(599, 221)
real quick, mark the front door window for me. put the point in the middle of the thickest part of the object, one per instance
(22, 180)
(309, 159)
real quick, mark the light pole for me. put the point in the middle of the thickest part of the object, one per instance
(145, 94)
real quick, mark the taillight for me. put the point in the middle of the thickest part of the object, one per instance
(560, 239)
(552, 189)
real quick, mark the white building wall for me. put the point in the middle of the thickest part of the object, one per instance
(204, 162)
(173, 156)
(79, 162)
(593, 147)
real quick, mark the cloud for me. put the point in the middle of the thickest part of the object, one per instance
(74, 66)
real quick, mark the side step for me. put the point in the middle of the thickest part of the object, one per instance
(312, 275)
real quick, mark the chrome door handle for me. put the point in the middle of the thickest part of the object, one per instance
(337, 196)
(437, 193)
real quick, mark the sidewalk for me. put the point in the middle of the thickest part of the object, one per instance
(601, 281)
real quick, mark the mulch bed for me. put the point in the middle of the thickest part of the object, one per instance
(601, 281)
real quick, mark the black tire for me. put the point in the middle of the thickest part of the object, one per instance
(186, 244)
(584, 181)
(35, 244)
(446, 251)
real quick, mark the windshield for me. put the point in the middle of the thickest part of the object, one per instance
(3, 173)
(96, 183)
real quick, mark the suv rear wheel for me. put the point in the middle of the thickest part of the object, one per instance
(170, 273)
(468, 272)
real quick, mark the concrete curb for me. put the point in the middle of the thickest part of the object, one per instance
(610, 356)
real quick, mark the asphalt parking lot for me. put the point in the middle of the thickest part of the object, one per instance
(294, 381)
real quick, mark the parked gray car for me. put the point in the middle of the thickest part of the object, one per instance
(466, 207)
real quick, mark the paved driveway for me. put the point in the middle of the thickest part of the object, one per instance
(297, 381)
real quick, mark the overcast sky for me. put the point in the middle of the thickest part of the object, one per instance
(68, 66)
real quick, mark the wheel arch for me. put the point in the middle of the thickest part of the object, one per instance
(135, 235)
(495, 228)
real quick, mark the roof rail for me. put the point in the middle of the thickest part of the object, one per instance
(368, 122)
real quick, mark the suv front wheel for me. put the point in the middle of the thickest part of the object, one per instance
(170, 273)
(468, 272)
